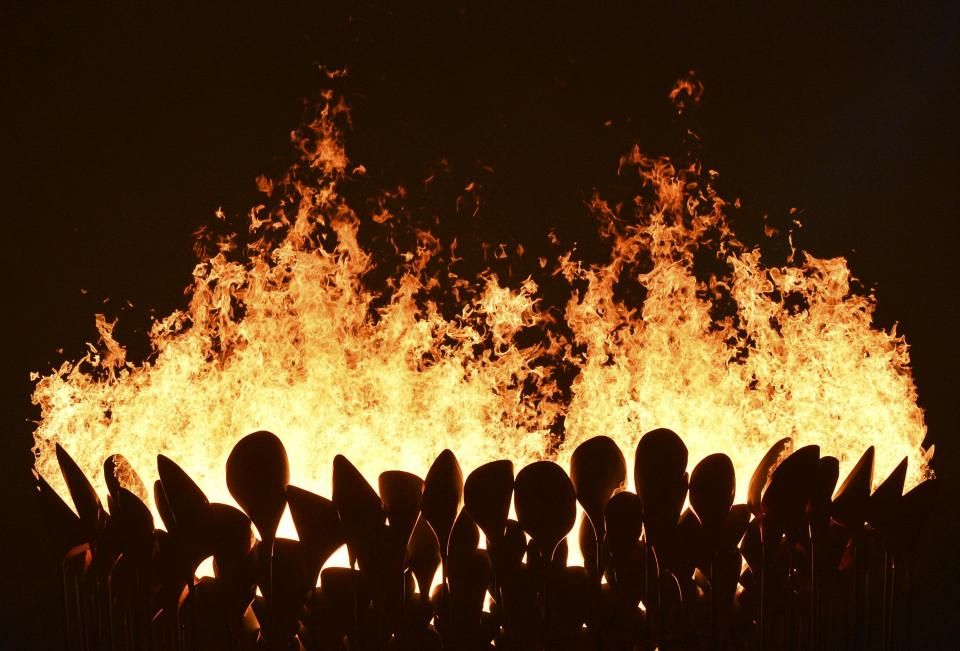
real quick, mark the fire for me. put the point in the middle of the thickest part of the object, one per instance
(286, 334)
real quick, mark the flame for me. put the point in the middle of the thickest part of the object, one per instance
(285, 333)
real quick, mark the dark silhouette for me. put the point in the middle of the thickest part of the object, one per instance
(799, 566)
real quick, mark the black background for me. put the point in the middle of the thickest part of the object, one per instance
(129, 127)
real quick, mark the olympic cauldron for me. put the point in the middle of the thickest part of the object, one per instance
(488, 561)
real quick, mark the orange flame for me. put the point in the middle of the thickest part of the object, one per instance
(288, 337)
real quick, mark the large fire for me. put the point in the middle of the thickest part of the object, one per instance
(286, 334)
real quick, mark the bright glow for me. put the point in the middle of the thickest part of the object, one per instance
(283, 336)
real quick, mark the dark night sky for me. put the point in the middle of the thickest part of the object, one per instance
(129, 128)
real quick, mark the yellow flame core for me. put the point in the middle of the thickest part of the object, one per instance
(289, 338)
